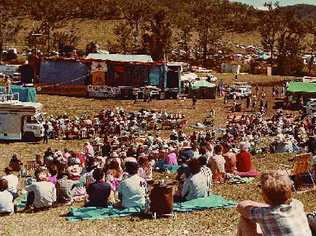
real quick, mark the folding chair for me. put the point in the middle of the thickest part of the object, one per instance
(302, 166)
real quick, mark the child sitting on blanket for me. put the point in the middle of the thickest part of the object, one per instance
(99, 191)
(279, 215)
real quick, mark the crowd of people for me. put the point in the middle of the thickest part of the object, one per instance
(119, 169)
(111, 121)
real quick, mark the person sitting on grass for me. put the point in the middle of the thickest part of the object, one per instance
(15, 163)
(133, 189)
(99, 191)
(217, 164)
(243, 159)
(195, 186)
(13, 182)
(279, 215)
(6, 199)
(206, 171)
(41, 194)
(145, 169)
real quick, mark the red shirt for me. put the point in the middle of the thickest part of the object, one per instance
(243, 161)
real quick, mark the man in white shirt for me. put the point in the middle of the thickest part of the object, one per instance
(13, 182)
(6, 199)
(133, 189)
(41, 194)
(196, 185)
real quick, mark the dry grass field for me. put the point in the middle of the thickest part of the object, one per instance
(101, 31)
(210, 222)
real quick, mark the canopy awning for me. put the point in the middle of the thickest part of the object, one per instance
(300, 87)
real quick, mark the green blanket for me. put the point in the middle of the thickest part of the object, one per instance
(211, 202)
(93, 213)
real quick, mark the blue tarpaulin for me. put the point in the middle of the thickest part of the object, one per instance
(26, 94)
(64, 73)
(156, 76)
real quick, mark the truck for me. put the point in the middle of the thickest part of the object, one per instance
(20, 120)
(311, 106)
(240, 89)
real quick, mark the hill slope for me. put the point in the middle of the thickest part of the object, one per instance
(303, 11)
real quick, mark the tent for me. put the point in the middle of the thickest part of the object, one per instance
(203, 89)
(202, 84)
(301, 88)
(26, 94)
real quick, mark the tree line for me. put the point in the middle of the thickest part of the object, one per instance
(186, 30)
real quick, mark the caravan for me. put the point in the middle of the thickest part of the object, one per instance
(20, 120)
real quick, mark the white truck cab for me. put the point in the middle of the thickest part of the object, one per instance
(20, 120)
(240, 89)
(311, 106)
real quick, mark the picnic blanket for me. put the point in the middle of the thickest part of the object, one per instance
(211, 202)
(235, 179)
(21, 201)
(93, 213)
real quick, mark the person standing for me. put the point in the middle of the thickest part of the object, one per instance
(45, 138)
(194, 101)
(248, 101)
(7, 85)
(257, 90)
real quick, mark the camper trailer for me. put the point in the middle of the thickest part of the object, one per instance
(20, 120)
(308, 79)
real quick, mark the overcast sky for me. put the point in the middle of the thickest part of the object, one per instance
(260, 3)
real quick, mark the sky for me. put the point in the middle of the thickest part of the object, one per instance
(260, 3)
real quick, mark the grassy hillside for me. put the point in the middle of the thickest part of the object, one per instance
(102, 32)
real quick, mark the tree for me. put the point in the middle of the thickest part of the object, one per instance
(311, 28)
(50, 15)
(160, 33)
(270, 25)
(283, 34)
(124, 39)
(135, 13)
(10, 21)
(185, 26)
(291, 45)
(209, 28)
